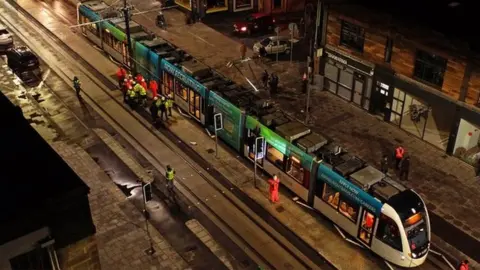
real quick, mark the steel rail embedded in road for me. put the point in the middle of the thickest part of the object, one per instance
(168, 144)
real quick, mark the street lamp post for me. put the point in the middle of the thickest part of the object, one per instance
(147, 196)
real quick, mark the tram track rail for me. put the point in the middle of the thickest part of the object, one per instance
(165, 139)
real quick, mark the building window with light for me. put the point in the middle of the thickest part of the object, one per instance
(352, 36)
(430, 68)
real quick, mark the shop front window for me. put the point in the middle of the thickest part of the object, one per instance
(348, 209)
(331, 196)
(295, 169)
(243, 4)
(275, 156)
(415, 115)
(467, 144)
(397, 106)
(181, 90)
(428, 122)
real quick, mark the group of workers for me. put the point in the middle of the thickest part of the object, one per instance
(135, 93)
(402, 163)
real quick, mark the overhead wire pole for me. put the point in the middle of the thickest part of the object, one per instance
(126, 14)
(317, 25)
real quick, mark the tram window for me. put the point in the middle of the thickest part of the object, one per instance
(108, 38)
(167, 83)
(275, 156)
(330, 195)
(294, 169)
(194, 104)
(388, 233)
(348, 208)
(366, 227)
(181, 90)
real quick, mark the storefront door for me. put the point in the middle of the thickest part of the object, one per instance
(358, 88)
(345, 83)
(381, 104)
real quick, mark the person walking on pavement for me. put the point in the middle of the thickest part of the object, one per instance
(399, 152)
(274, 183)
(384, 164)
(121, 75)
(265, 77)
(153, 86)
(169, 104)
(77, 85)
(404, 168)
(170, 176)
(243, 50)
(154, 110)
(464, 265)
(162, 106)
(273, 83)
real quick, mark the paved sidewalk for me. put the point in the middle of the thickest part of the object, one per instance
(441, 179)
(121, 238)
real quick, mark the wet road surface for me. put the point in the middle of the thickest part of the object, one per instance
(53, 109)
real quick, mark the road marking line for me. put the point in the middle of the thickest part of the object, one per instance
(201, 233)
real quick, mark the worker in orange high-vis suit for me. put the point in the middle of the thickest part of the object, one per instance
(139, 78)
(153, 86)
(121, 75)
(399, 152)
(274, 185)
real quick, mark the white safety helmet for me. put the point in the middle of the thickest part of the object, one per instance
(163, 98)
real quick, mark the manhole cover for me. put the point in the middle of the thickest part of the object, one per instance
(210, 151)
(280, 209)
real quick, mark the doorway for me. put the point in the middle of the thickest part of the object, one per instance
(358, 88)
(382, 105)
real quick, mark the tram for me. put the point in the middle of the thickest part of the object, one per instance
(380, 213)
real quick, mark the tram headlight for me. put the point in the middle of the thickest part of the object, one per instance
(414, 255)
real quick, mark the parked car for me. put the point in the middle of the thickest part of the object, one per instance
(22, 59)
(6, 40)
(273, 45)
(30, 78)
(255, 23)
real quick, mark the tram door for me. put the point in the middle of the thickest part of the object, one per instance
(365, 231)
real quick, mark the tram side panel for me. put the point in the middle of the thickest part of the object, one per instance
(232, 119)
(91, 31)
(279, 158)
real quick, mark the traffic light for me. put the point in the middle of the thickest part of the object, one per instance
(147, 192)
